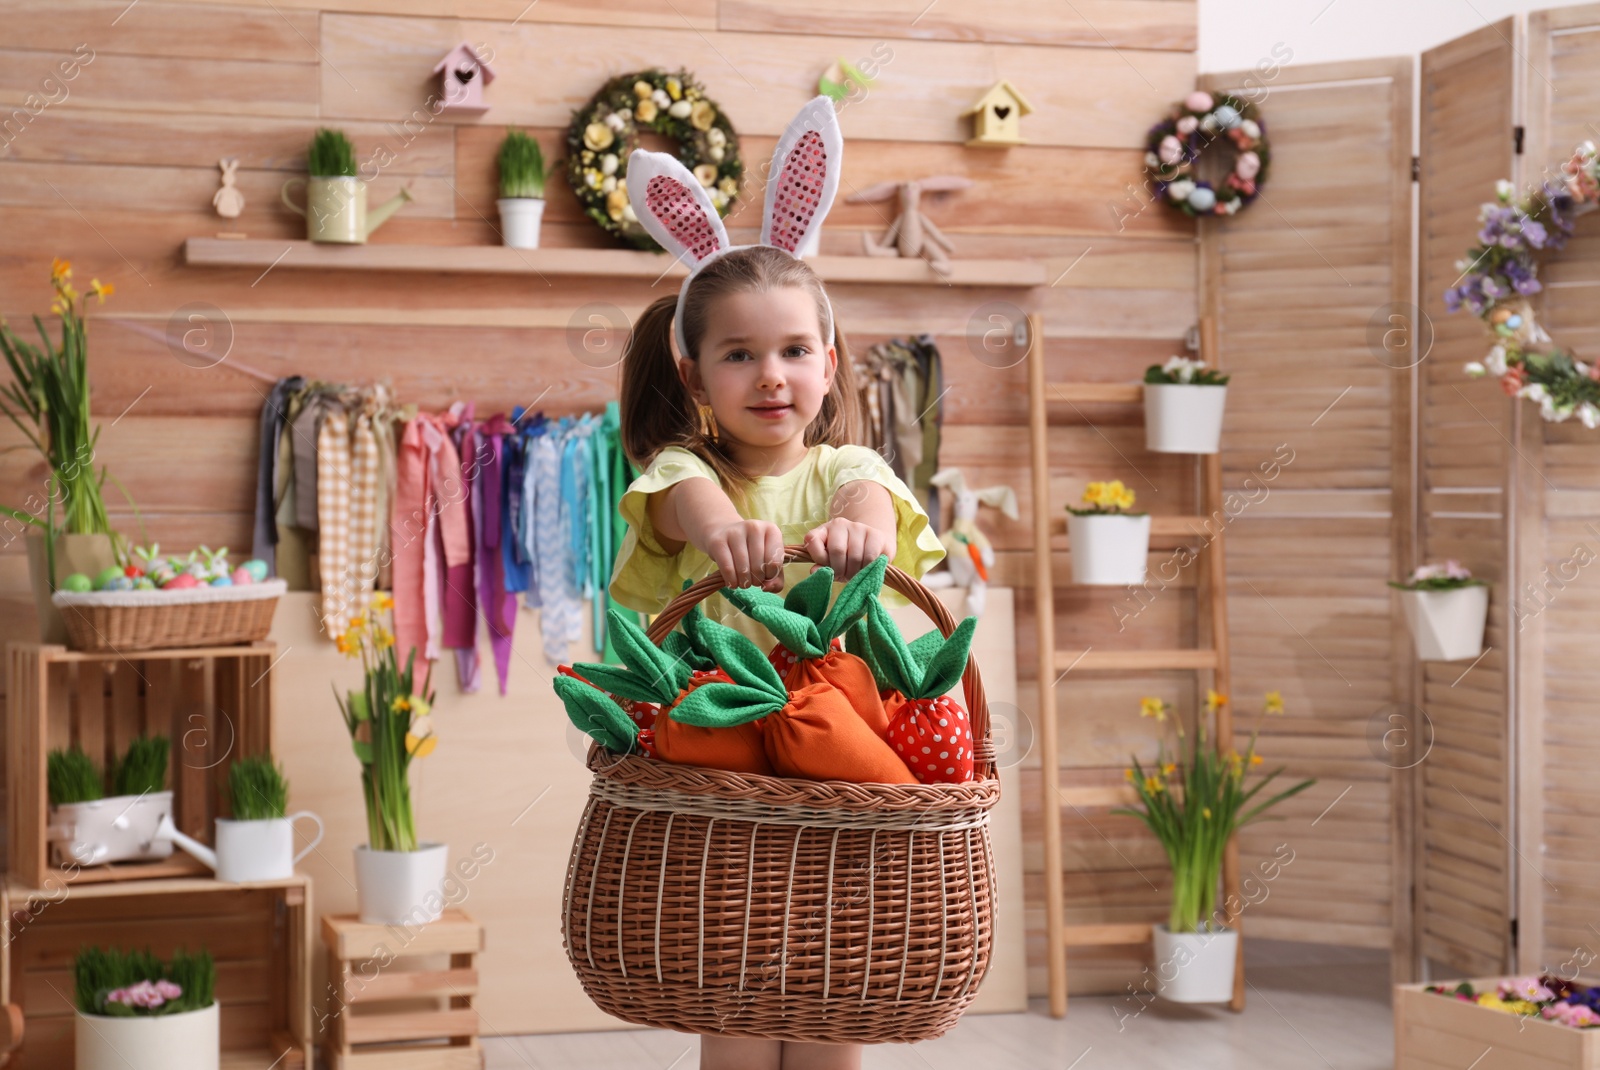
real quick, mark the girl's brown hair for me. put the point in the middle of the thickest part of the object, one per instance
(657, 410)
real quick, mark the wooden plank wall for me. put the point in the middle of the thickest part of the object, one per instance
(119, 169)
(1316, 425)
(1557, 606)
(1468, 476)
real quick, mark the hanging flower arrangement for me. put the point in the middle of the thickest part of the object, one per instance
(1176, 144)
(1501, 273)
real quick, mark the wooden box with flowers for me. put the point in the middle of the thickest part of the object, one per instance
(1498, 1024)
(83, 728)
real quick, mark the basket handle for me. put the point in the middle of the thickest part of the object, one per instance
(901, 582)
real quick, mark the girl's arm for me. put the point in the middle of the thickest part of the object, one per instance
(749, 553)
(862, 528)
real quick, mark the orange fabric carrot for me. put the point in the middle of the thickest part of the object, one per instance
(808, 632)
(812, 732)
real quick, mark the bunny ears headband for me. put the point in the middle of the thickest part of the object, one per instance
(677, 211)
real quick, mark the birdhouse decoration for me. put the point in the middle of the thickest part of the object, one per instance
(462, 77)
(997, 116)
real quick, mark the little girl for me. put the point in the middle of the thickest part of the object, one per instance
(744, 437)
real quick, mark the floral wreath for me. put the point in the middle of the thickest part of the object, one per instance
(1501, 272)
(605, 131)
(1176, 143)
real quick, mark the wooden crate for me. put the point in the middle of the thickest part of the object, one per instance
(396, 1003)
(214, 703)
(260, 935)
(1435, 1032)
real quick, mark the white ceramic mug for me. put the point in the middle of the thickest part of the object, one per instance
(261, 850)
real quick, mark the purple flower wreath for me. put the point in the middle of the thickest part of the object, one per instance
(1175, 144)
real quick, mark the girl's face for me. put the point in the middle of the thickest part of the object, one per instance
(762, 368)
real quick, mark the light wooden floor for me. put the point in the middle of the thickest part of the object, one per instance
(1311, 1007)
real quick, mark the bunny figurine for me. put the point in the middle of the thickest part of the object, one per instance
(967, 551)
(228, 200)
(912, 234)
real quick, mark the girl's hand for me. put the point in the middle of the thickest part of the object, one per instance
(847, 546)
(749, 553)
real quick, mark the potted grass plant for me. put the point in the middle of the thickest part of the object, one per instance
(90, 827)
(1109, 543)
(136, 1012)
(1446, 610)
(336, 200)
(68, 529)
(1193, 799)
(257, 843)
(1183, 401)
(398, 878)
(522, 178)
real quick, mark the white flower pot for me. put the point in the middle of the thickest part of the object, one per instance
(1182, 417)
(1108, 549)
(400, 887)
(519, 221)
(1447, 625)
(188, 1041)
(1195, 967)
(121, 828)
(260, 850)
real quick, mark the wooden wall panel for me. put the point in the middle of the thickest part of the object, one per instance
(119, 170)
(1465, 435)
(1556, 607)
(1310, 449)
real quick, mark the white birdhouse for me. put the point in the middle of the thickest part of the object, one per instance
(997, 116)
(461, 76)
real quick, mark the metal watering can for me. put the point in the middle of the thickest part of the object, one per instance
(336, 208)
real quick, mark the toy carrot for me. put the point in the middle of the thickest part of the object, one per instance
(811, 731)
(596, 714)
(806, 628)
(930, 732)
(664, 677)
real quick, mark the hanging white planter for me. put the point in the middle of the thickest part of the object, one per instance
(188, 1041)
(1195, 967)
(122, 828)
(1108, 549)
(1183, 417)
(1447, 625)
(519, 221)
(400, 887)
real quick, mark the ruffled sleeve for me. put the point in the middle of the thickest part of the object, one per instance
(917, 547)
(645, 576)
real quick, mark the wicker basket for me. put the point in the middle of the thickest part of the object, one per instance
(713, 902)
(158, 620)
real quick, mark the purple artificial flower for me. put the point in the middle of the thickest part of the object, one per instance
(1494, 288)
(1534, 232)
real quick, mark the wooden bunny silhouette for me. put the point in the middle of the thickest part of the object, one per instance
(911, 234)
(228, 200)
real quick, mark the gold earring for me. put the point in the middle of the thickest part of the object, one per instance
(708, 423)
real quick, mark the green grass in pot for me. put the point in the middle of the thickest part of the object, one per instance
(522, 167)
(257, 789)
(331, 156)
(71, 777)
(103, 977)
(143, 770)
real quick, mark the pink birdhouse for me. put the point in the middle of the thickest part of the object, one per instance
(462, 76)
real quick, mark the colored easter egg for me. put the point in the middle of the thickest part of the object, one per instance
(1202, 199)
(144, 583)
(222, 581)
(120, 583)
(180, 582)
(241, 575)
(257, 569)
(77, 582)
(133, 570)
(106, 576)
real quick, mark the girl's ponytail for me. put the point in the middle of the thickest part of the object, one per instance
(656, 408)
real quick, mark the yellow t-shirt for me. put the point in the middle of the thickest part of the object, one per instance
(646, 577)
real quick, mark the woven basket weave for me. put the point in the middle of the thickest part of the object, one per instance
(714, 902)
(161, 620)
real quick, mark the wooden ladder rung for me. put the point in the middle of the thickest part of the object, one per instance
(1111, 393)
(1134, 660)
(1101, 935)
(1162, 527)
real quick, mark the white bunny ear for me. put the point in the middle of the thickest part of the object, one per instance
(804, 179)
(674, 207)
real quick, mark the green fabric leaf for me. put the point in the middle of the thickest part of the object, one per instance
(900, 670)
(636, 649)
(625, 683)
(598, 716)
(724, 706)
(944, 671)
(925, 646)
(810, 596)
(683, 644)
(798, 633)
(858, 641)
(852, 601)
(742, 660)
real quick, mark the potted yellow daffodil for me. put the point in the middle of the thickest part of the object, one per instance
(1193, 803)
(1109, 543)
(398, 880)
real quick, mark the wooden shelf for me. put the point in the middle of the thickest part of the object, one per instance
(611, 263)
